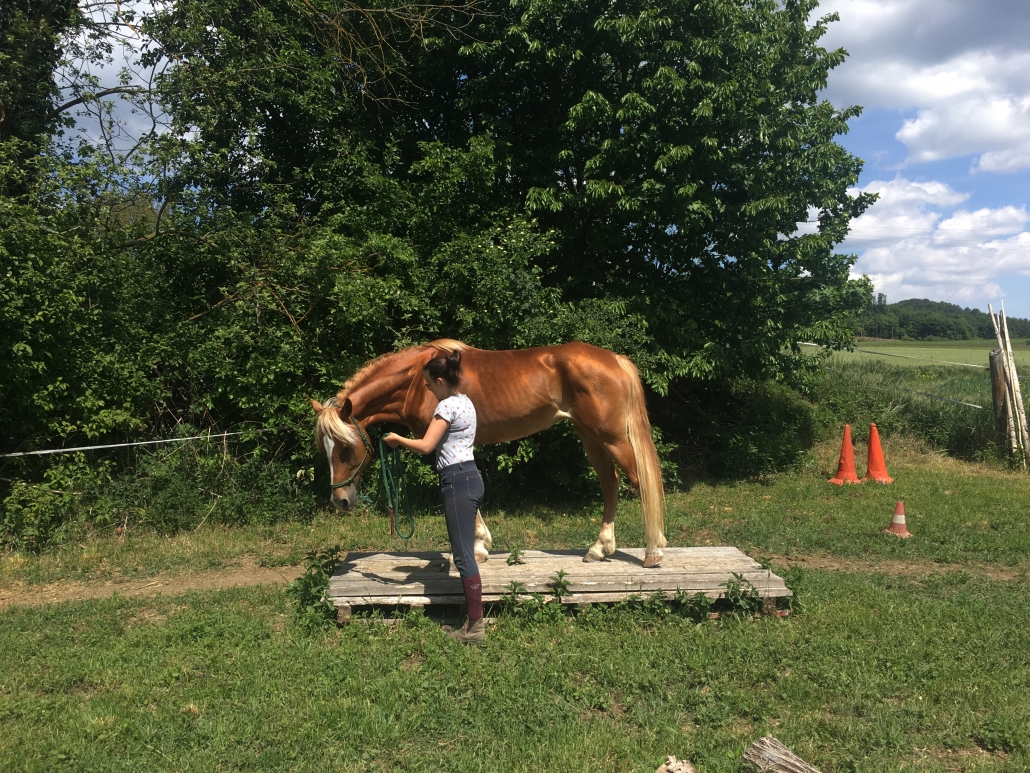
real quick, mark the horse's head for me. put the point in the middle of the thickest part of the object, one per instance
(346, 447)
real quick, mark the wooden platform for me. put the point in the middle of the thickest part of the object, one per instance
(422, 579)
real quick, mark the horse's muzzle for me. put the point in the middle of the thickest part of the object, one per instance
(344, 499)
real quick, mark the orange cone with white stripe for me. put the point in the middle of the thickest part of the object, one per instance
(898, 527)
(846, 466)
(876, 467)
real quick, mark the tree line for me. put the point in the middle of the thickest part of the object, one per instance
(919, 319)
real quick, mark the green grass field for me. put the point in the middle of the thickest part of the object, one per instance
(969, 352)
(908, 656)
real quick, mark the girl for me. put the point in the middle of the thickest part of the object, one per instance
(451, 434)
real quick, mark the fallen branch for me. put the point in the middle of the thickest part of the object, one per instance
(767, 755)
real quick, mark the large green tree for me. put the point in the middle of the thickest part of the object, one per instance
(670, 148)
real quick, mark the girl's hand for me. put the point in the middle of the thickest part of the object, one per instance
(392, 439)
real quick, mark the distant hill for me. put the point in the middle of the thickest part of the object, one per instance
(920, 319)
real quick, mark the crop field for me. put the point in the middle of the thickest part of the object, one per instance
(903, 655)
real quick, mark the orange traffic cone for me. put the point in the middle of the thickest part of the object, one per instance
(876, 467)
(898, 527)
(846, 467)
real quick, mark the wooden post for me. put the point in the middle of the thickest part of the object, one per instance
(999, 395)
(767, 755)
(343, 613)
(1009, 399)
(1014, 378)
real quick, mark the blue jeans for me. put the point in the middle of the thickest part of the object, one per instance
(461, 489)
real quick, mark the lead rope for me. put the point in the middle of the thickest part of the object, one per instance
(391, 464)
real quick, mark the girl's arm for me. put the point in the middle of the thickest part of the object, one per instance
(428, 442)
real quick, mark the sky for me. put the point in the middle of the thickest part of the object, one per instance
(945, 136)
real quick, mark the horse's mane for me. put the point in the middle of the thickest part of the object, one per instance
(329, 421)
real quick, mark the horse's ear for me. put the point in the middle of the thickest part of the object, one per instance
(316, 407)
(346, 409)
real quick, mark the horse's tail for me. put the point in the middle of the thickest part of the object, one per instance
(649, 470)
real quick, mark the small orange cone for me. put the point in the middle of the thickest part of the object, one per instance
(898, 527)
(846, 467)
(876, 467)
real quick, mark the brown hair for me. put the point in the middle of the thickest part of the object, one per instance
(446, 367)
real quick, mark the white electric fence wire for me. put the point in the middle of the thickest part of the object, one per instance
(118, 445)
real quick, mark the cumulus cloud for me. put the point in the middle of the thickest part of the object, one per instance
(964, 66)
(911, 250)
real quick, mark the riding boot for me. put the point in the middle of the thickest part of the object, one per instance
(473, 632)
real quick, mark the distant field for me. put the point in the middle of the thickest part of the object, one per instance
(967, 352)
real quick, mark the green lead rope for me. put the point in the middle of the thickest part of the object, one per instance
(395, 483)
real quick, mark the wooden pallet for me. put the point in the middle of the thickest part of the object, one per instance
(422, 579)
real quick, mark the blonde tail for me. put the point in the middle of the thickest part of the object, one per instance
(649, 470)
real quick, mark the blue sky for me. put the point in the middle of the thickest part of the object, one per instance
(946, 139)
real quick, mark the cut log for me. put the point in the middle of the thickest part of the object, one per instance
(767, 755)
(673, 765)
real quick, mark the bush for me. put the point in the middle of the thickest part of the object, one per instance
(741, 429)
(860, 393)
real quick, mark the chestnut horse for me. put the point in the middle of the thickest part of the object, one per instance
(516, 393)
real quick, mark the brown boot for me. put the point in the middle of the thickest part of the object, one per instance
(472, 632)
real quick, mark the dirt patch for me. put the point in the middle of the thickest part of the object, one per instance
(160, 585)
(887, 566)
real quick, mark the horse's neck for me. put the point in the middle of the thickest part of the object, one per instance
(384, 395)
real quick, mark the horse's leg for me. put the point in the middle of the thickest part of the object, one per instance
(603, 465)
(483, 539)
(622, 452)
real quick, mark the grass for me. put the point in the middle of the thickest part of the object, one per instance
(879, 674)
(974, 352)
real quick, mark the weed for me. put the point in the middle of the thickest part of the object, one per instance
(515, 557)
(697, 607)
(512, 597)
(742, 597)
(1002, 733)
(559, 586)
(314, 610)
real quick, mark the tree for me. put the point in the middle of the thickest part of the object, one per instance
(671, 147)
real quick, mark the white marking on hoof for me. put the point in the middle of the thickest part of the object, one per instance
(652, 560)
(484, 540)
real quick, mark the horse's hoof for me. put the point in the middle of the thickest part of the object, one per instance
(652, 562)
(482, 556)
(591, 557)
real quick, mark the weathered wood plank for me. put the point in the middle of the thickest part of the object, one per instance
(430, 578)
(684, 582)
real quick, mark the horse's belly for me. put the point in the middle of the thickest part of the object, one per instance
(501, 430)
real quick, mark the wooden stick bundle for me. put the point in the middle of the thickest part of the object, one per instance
(1015, 380)
(1019, 439)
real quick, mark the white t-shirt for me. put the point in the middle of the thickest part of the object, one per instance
(456, 445)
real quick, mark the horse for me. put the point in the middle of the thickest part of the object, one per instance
(516, 393)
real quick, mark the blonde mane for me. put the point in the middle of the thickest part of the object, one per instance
(329, 421)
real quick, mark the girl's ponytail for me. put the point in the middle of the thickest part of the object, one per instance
(446, 367)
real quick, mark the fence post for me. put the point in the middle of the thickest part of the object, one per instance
(999, 391)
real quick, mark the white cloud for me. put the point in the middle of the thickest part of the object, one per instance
(964, 66)
(913, 251)
(904, 209)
